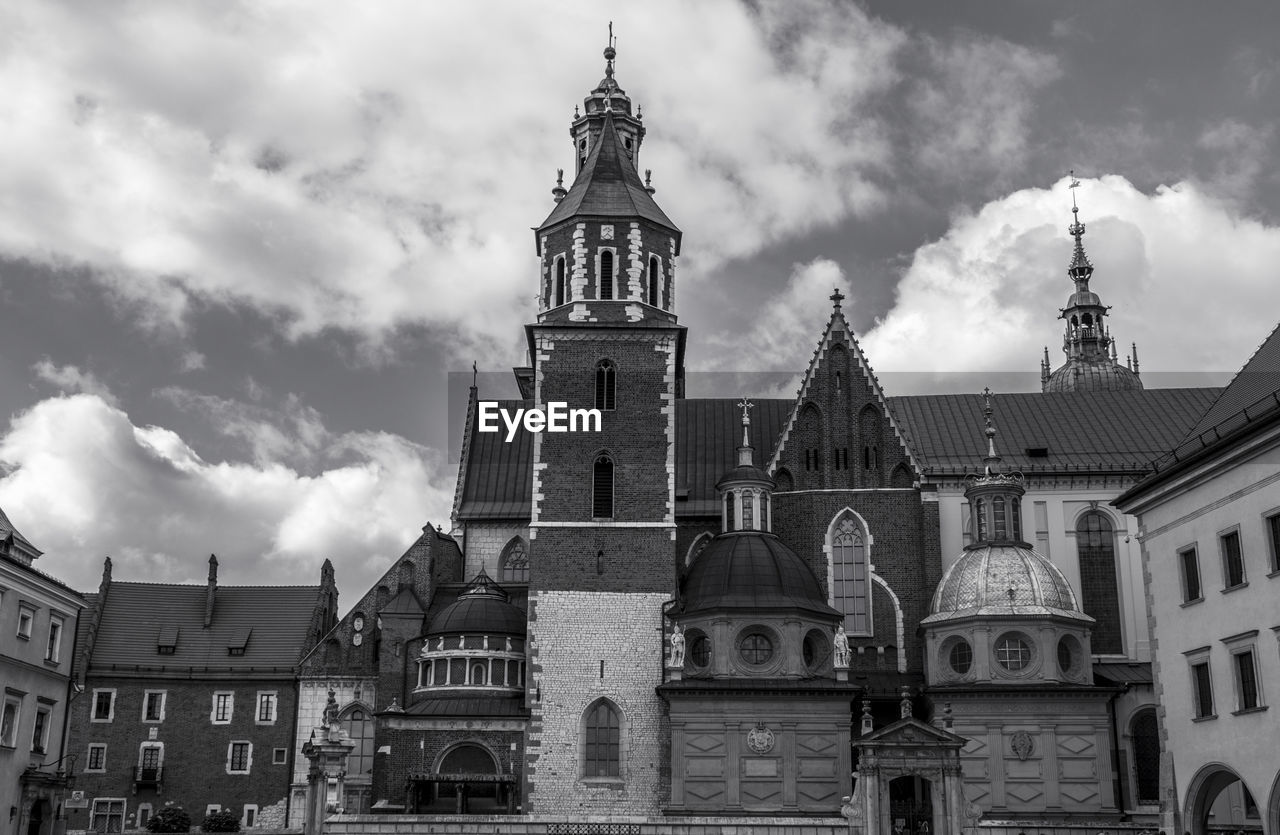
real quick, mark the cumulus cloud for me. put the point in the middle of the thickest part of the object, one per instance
(71, 379)
(976, 298)
(83, 482)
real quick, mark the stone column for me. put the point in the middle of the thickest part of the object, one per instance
(327, 751)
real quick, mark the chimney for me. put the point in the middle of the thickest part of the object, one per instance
(213, 588)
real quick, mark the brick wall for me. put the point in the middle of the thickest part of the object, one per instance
(195, 750)
(418, 750)
(575, 635)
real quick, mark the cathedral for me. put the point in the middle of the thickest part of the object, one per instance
(910, 613)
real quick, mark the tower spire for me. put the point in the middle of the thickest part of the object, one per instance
(991, 463)
(746, 457)
(1080, 268)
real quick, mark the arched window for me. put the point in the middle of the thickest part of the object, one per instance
(601, 741)
(602, 487)
(560, 281)
(1096, 547)
(653, 280)
(468, 758)
(358, 723)
(606, 385)
(980, 514)
(998, 517)
(479, 674)
(850, 577)
(514, 562)
(748, 517)
(729, 524)
(606, 274)
(1146, 757)
(784, 480)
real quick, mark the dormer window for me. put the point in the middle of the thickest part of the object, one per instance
(167, 640)
(236, 645)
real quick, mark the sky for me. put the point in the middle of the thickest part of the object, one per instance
(246, 246)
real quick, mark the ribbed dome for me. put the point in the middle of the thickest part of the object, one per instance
(752, 570)
(483, 609)
(1003, 580)
(744, 472)
(1084, 298)
(1103, 375)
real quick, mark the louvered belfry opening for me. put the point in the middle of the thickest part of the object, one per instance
(602, 488)
(606, 275)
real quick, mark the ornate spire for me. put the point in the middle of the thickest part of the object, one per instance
(1081, 268)
(746, 457)
(994, 496)
(836, 298)
(992, 462)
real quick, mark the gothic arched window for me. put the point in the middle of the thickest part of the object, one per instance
(850, 576)
(653, 280)
(729, 524)
(560, 289)
(606, 385)
(602, 487)
(1146, 757)
(514, 562)
(606, 274)
(1096, 547)
(601, 740)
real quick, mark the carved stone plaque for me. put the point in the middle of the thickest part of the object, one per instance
(760, 739)
(1023, 744)
(759, 768)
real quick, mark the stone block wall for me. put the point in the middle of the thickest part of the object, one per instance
(584, 646)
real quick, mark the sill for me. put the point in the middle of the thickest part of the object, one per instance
(603, 782)
(1192, 602)
(1211, 716)
(1242, 712)
(1236, 587)
(1275, 573)
(22, 637)
(52, 663)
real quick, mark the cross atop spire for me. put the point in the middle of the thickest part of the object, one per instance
(836, 298)
(745, 451)
(992, 461)
(1080, 268)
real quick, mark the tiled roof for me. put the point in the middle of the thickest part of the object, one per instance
(1123, 672)
(6, 528)
(608, 186)
(135, 614)
(499, 477)
(469, 705)
(1100, 430)
(1253, 392)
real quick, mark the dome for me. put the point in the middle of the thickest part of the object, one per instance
(744, 473)
(752, 570)
(483, 609)
(1102, 375)
(1003, 579)
(1084, 298)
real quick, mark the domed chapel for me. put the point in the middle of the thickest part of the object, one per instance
(841, 606)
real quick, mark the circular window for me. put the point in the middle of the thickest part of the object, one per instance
(700, 650)
(1066, 655)
(756, 648)
(961, 657)
(816, 648)
(1013, 653)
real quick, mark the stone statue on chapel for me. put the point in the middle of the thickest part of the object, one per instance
(842, 648)
(677, 647)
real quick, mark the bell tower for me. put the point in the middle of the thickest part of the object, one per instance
(602, 530)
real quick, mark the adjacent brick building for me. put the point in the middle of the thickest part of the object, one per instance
(188, 695)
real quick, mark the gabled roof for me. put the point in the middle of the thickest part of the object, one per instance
(1097, 430)
(135, 614)
(609, 186)
(21, 543)
(838, 325)
(498, 479)
(910, 732)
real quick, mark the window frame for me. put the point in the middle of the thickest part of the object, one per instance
(605, 397)
(1193, 551)
(279, 756)
(40, 729)
(100, 747)
(146, 700)
(606, 458)
(111, 705)
(1199, 659)
(608, 761)
(518, 570)
(26, 620)
(1245, 643)
(1225, 535)
(611, 279)
(53, 646)
(273, 698)
(231, 707)
(248, 756)
(11, 700)
(94, 813)
(1271, 532)
(843, 574)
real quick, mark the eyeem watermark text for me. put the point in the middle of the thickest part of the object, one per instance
(557, 417)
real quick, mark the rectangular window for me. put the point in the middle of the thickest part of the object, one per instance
(107, 815)
(1246, 681)
(53, 648)
(1203, 689)
(12, 711)
(266, 708)
(279, 755)
(1273, 535)
(239, 757)
(104, 705)
(153, 706)
(211, 808)
(223, 705)
(1232, 560)
(249, 816)
(97, 759)
(144, 815)
(1190, 563)
(40, 733)
(26, 621)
